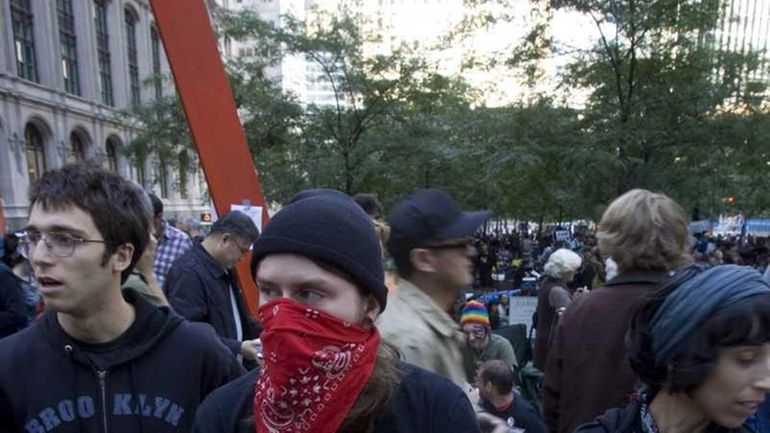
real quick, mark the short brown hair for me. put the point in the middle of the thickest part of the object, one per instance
(644, 231)
(117, 206)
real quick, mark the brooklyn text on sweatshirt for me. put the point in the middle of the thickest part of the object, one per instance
(150, 379)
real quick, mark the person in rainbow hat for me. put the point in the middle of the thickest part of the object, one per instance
(481, 344)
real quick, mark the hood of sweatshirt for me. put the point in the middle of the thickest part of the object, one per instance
(151, 324)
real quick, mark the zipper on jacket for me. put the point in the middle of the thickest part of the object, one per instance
(102, 375)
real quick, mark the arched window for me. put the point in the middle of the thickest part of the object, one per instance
(35, 152)
(112, 155)
(133, 59)
(77, 148)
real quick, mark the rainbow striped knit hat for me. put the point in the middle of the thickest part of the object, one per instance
(474, 312)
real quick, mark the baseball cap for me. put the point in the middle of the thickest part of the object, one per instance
(430, 215)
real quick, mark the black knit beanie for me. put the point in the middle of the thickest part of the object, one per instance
(327, 225)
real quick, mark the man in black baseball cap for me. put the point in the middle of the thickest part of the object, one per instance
(431, 243)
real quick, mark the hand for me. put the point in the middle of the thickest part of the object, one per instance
(491, 424)
(473, 395)
(252, 349)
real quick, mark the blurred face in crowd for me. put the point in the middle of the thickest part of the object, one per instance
(485, 388)
(736, 386)
(309, 283)
(476, 335)
(569, 276)
(453, 262)
(158, 225)
(504, 300)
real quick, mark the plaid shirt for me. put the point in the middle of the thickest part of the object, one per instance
(171, 245)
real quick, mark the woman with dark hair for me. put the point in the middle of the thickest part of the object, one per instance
(701, 346)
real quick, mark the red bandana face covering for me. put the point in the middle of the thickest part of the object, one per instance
(315, 367)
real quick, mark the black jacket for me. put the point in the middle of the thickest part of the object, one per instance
(13, 310)
(628, 420)
(150, 379)
(520, 414)
(198, 288)
(424, 403)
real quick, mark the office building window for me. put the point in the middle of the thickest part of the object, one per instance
(68, 42)
(133, 61)
(155, 38)
(23, 39)
(103, 52)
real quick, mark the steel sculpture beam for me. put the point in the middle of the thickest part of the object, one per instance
(203, 87)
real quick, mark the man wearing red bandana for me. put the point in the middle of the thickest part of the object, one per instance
(319, 271)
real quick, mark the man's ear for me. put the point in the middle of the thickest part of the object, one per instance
(422, 260)
(122, 257)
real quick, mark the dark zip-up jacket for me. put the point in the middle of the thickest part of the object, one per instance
(424, 403)
(150, 379)
(628, 420)
(198, 288)
(13, 310)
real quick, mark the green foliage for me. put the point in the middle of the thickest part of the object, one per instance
(665, 110)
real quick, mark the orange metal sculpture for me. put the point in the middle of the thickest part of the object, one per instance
(2, 218)
(192, 52)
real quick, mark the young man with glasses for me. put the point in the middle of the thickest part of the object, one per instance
(201, 285)
(99, 361)
(430, 242)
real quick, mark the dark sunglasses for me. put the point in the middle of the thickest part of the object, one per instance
(456, 244)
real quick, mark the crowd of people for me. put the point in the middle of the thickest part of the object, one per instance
(116, 320)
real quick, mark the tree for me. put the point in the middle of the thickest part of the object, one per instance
(659, 87)
(366, 88)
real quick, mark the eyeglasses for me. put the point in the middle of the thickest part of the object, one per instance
(456, 243)
(60, 244)
(475, 332)
(243, 250)
(237, 244)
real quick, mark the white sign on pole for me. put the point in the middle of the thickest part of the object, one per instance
(562, 235)
(521, 310)
(254, 212)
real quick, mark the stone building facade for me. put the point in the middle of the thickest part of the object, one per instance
(69, 70)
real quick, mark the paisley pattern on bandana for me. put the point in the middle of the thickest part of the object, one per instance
(315, 367)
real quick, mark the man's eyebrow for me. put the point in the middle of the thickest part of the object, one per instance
(301, 283)
(58, 229)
